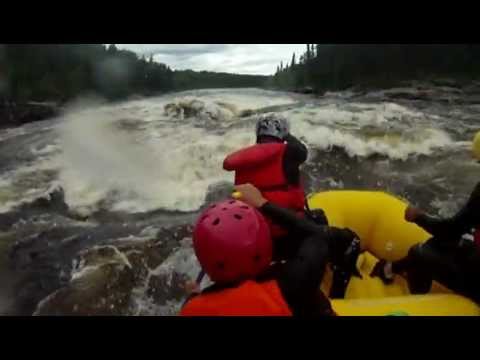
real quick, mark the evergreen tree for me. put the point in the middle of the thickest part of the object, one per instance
(61, 72)
(337, 67)
(112, 49)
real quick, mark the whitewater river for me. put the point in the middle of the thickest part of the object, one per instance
(95, 206)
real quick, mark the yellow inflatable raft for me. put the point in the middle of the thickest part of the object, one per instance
(378, 219)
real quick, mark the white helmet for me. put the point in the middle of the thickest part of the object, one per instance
(273, 125)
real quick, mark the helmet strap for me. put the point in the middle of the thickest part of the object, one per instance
(200, 276)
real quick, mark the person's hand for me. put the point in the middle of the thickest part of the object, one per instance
(412, 213)
(379, 270)
(250, 195)
(317, 216)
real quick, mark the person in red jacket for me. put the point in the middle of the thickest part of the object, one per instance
(233, 244)
(273, 166)
(451, 256)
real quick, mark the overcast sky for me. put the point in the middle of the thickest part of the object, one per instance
(242, 59)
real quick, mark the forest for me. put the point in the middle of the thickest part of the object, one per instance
(60, 72)
(341, 66)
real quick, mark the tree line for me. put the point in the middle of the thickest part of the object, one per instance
(338, 67)
(60, 72)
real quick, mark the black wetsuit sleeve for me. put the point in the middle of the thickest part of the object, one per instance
(289, 220)
(301, 227)
(436, 227)
(458, 224)
(297, 150)
(296, 154)
(301, 276)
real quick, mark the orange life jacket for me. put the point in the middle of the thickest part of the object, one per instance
(262, 166)
(250, 298)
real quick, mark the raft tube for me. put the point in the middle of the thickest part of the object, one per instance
(378, 219)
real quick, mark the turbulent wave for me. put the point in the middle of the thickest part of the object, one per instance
(135, 156)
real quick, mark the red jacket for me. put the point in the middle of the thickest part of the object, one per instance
(262, 166)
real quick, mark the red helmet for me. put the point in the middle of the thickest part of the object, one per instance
(232, 241)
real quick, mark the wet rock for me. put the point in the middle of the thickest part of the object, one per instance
(408, 94)
(185, 109)
(469, 100)
(72, 269)
(53, 200)
(104, 278)
(103, 290)
(167, 287)
(454, 83)
(40, 260)
(305, 90)
(472, 88)
(246, 113)
(50, 204)
(197, 109)
(13, 114)
(101, 283)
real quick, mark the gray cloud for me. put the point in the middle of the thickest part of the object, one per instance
(234, 58)
(174, 49)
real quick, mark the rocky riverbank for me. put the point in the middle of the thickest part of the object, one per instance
(16, 114)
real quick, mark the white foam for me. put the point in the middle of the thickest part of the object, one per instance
(167, 163)
(203, 108)
(169, 168)
(82, 269)
(388, 129)
(12, 132)
(48, 149)
(357, 114)
(182, 261)
(25, 183)
(5, 181)
(395, 147)
(248, 101)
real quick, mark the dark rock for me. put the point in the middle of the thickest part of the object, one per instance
(185, 109)
(44, 262)
(246, 113)
(105, 290)
(166, 287)
(104, 277)
(12, 114)
(472, 99)
(408, 94)
(305, 90)
(54, 201)
(447, 82)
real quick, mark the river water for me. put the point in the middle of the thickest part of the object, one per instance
(90, 189)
